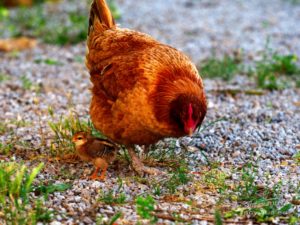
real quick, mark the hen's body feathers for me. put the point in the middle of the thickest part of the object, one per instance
(135, 80)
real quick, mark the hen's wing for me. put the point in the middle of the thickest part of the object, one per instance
(115, 60)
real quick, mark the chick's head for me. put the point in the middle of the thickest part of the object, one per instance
(80, 138)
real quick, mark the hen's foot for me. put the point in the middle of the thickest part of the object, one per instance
(139, 167)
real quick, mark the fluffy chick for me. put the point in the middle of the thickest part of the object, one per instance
(99, 151)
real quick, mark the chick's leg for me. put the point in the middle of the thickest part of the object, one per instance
(138, 166)
(94, 176)
(100, 164)
(103, 173)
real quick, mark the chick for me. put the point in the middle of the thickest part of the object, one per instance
(100, 152)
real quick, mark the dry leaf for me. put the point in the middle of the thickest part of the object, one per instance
(12, 3)
(16, 44)
(297, 104)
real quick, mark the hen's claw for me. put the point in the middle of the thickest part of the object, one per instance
(139, 167)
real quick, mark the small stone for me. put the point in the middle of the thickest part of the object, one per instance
(55, 223)
(87, 220)
(77, 198)
(236, 154)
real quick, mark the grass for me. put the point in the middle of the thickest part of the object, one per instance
(225, 68)
(297, 158)
(48, 61)
(115, 217)
(216, 179)
(4, 77)
(273, 71)
(45, 190)
(27, 84)
(272, 67)
(145, 206)
(3, 128)
(64, 128)
(260, 203)
(112, 198)
(16, 204)
(218, 217)
(60, 27)
(179, 177)
(295, 2)
(6, 127)
(5, 148)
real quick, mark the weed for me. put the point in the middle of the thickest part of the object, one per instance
(145, 208)
(27, 84)
(179, 177)
(247, 190)
(51, 188)
(156, 189)
(5, 148)
(3, 128)
(112, 197)
(261, 204)
(216, 179)
(64, 129)
(166, 155)
(293, 1)
(52, 27)
(224, 68)
(266, 78)
(3, 77)
(270, 69)
(114, 9)
(297, 157)
(218, 217)
(115, 217)
(20, 122)
(298, 83)
(48, 61)
(15, 185)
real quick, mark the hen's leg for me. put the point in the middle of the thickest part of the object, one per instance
(138, 166)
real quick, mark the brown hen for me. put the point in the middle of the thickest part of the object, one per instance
(143, 90)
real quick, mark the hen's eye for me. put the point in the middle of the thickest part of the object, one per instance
(80, 138)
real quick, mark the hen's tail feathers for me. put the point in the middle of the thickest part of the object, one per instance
(100, 17)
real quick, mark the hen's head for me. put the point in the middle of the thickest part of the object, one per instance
(80, 138)
(188, 112)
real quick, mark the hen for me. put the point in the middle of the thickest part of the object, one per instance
(143, 90)
(100, 152)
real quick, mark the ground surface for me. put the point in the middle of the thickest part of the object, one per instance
(260, 129)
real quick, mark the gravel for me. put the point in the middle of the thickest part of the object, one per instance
(261, 129)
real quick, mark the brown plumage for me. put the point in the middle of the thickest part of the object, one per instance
(143, 91)
(100, 152)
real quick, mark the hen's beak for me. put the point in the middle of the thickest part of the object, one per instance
(190, 133)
